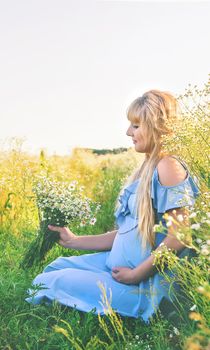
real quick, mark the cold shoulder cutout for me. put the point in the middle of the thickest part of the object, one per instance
(171, 171)
(171, 197)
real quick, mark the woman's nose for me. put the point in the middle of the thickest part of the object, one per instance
(129, 131)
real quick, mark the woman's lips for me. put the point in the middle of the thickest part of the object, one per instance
(134, 141)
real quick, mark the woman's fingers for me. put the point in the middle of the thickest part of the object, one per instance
(61, 242)
(115, 269)
(55, 228)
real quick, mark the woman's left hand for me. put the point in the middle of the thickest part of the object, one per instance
(124, 275)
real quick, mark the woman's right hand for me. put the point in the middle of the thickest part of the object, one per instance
(66, 236)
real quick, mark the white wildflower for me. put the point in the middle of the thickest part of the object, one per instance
(195, 226)
(63, 203)
(204, 246)
(193, 307)
(180, 218)
(204, 251)
(169, 223)
(192, 215)
(93, 221)
(176, 331)
(198, 240)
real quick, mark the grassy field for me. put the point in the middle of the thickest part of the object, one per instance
(23, 326)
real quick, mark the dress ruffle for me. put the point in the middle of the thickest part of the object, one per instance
(125, 220)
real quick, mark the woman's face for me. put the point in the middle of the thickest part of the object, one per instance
(139, 137)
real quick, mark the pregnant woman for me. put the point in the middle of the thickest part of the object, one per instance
(124, 265)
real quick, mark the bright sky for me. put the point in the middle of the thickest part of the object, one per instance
(70, 68)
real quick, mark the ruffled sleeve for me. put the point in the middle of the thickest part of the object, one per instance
(125, 219)
(172, 197)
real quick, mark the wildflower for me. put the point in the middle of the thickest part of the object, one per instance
(169, 223)
(204, 246)
(204, 251)
(192, 215)
(180, 218)
(137, 337)
(72, 186)
(93, 221)
(176, 331)
(200, 289)
(195, 226)
(193, 307)
(198, 240)
(195, 316)
(208, 241)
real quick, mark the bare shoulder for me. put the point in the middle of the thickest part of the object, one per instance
(170, 171)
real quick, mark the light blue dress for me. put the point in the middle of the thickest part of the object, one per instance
(76, 281)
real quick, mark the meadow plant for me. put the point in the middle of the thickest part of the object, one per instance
(59, 204)
(190, 141)
(191, 132)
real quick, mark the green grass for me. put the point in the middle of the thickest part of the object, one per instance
(24, 326)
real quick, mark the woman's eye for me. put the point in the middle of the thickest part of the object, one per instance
(135, 126)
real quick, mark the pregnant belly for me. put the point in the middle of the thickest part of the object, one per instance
(127, 251)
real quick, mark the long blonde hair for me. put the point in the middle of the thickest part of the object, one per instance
(156, 111)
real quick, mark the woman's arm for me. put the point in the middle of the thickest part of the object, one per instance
(147, 269)
(94, 242)
(88, 242)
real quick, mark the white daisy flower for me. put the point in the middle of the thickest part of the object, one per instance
(180, 218)
(195, 226)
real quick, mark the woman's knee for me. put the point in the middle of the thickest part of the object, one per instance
(57, 264)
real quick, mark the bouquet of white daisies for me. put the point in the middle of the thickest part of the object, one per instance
(59, 204)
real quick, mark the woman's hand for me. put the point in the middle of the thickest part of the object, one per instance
(125, 275)
(66, 236)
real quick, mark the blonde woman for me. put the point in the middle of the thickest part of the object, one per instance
(125, 266)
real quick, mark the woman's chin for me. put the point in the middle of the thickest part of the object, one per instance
(138, 149)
